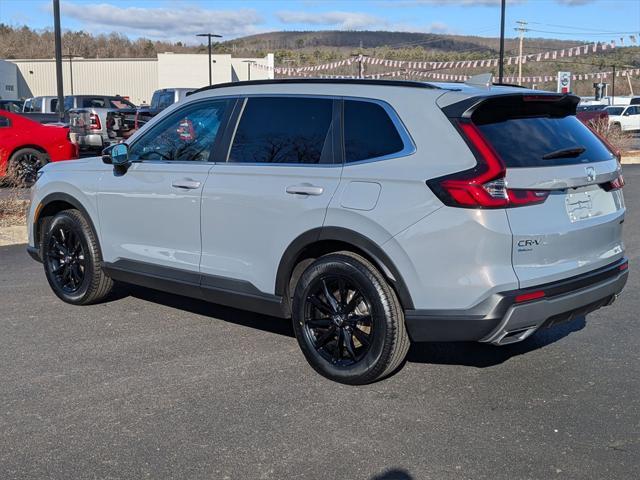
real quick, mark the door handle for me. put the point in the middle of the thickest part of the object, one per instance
(186, 184)
(304, 189)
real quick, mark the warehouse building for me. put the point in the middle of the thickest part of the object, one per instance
(136, 78)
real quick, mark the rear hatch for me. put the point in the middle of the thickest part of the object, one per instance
(561, 183)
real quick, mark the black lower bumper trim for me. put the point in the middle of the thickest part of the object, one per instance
(478, 322)
(34, 253)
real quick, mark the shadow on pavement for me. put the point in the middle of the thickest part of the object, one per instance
(482, 355)
(445, 353)
(240, 317)
(394, 474)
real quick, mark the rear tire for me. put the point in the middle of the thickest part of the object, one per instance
(72, 260)
(348, 320)
(23, 166)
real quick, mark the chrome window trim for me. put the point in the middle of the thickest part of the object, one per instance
(409, 146)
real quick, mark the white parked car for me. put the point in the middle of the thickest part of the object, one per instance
(369, 212)
(625, 119)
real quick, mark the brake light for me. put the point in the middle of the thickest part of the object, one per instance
(616, 184)
(94, 122)
(624, 266)
(542, 98)
(483, 186)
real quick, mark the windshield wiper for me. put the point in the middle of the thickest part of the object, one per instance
(565, 153)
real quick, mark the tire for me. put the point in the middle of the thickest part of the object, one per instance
(72, 260)
(23, 166)
(345, 338)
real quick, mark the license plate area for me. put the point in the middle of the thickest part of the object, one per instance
(580, 206)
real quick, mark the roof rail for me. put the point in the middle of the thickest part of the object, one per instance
(348, 81)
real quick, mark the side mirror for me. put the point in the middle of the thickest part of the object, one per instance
(116, 155)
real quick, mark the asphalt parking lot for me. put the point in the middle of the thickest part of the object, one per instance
(151, 385)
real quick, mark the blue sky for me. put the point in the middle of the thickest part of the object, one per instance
(586, 20)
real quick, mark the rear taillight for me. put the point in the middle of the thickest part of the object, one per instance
(94, 122)
(616, 184)
(483, 186)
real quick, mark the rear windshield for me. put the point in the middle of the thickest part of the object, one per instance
(539, 135)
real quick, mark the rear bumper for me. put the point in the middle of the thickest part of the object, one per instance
(501, 319)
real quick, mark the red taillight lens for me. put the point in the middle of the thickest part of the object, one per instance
(624, 266)
(94, 122)
(483, 186)
(616, 184)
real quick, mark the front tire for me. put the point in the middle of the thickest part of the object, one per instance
(348, 320)
(72, 260)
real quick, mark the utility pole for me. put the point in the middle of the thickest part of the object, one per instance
(630, 86)
(57, 33)
(209, 36)
(521, 29)
(501, 66)
(613, 86)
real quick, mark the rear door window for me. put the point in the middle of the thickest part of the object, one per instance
(93, 102)
(369, 132)
(166, 99)
(525, 136)
(284, 130)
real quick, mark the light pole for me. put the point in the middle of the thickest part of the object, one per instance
(58, 48)
(209, 36)
(249, 63)
(501, 67)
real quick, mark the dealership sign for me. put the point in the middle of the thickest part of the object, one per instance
(564, 82)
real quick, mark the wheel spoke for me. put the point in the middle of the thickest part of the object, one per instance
(77, 277)
(338, 350)
(349, 345)
(362, 337)
(354, 302)
(330, 298)
(325, 337)
(319, 322)
(342, 288)
(58, 268)
(320, 305)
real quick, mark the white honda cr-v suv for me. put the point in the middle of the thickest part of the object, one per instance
(370, 212)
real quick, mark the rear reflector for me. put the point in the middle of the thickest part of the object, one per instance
(526, 297)
(483, 186)
(624, 266)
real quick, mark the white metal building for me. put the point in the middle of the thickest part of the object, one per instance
(135, 78)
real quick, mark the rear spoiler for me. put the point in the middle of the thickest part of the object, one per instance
(513, 105)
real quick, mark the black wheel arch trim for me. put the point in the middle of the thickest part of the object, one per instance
(60, 197)
(340, 234)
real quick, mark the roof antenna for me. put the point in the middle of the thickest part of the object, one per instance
(484, 80)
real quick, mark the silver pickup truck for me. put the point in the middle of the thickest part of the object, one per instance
(88, 121)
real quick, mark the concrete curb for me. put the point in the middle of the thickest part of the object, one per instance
(13, 235)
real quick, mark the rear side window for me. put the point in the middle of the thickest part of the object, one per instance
(538, 134)
(93, 102)
(165, 100)
(284, 130)
(54, 105)
(368, 132)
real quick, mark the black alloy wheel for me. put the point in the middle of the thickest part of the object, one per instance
(348, 320)
(66, 258)
(338, 320)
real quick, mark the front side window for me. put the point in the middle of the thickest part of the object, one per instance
(368, 132)
(277, 130)
(28, 106)
(37, 104)
(185, 135)
(53, 105)
(68, 103)
(165, 100)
